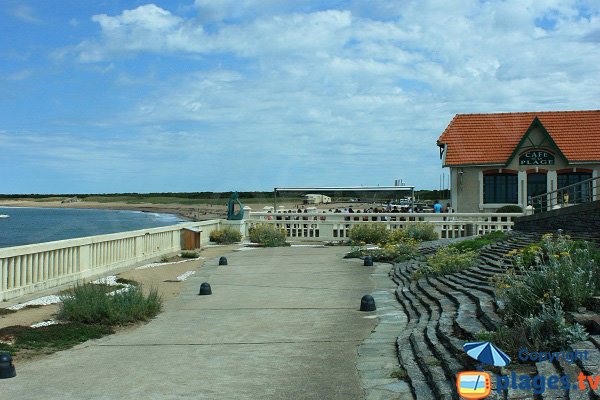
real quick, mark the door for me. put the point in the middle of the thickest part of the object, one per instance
(536, 185)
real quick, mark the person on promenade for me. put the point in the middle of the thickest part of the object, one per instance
(437, 207)
(449, 208)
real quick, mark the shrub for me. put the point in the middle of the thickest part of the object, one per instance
(480, 242)
(549, 277)
(548, 331)
(557, 268)
(268, 235)
(396, 236)
(189, 254)
(225, 236)
(391, 252)
(369, 233)
(92, 304)
(422, 231)
(510, 209)
(53, 337)
(447, 260)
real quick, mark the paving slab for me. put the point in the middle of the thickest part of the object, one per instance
(281, 324)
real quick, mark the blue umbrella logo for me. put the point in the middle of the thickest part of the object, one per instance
(487, 353)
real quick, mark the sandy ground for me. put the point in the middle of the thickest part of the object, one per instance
(197, 212)
(163, 277)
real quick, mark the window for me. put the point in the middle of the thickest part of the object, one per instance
(572, 178)
(500, 188)
(577, 193)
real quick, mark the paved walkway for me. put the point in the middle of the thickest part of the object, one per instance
(281, 324)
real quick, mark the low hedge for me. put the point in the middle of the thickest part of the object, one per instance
(268, 235)
(225, 236)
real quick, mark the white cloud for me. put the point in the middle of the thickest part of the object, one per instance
(19, 75)
(25, 13)
(327, 94)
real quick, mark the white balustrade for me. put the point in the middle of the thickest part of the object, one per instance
(30, 268)
(336, 226)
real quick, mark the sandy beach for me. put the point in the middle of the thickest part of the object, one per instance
(196, 212)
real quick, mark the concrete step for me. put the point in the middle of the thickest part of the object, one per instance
(547, 369)
(572, 371)
(485, 301)
(414, 376)
(431, 368)
(466, 317)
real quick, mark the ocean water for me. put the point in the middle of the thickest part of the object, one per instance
(37, 225)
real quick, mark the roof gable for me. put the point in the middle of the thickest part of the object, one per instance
(492, 139)
(547, 142)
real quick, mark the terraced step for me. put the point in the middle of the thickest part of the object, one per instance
(432, 355)
(416, 379)
(572, 371)
(486, 311)
(431, 368)
(466, 317)
(591, 365)
(547, 369)
(446, 311)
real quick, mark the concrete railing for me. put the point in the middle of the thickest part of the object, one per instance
(35, 267)
(31, 268)
(336, 226)
(581, 192)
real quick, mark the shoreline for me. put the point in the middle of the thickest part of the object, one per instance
(199, 212)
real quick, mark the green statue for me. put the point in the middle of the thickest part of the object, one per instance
(231, 214)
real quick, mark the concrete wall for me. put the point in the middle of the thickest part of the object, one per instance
(581, 221)
(466, 187)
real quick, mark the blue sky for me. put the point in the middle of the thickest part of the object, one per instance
(217, 95)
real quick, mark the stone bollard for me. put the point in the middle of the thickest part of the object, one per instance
(368, 261)
(205, 289)
(7, 369)
(223, 261)
(367, 303)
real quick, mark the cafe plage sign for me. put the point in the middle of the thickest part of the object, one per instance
(536, 157)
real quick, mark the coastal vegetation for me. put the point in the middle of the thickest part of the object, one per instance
(381, 244)
(87, 311)
(225, 236)
(189, 254)
(457, 256)
(549, 278)
(268, 235)
(100, 304)
(479, 242)
(48, 339)
(446, 260)
(191, 198)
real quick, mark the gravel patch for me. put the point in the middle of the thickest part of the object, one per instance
(45, 323)
(40, 301)
(185, 275)
(160, 264)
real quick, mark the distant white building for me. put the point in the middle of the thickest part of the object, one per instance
(316, 199)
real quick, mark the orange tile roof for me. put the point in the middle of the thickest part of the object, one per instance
(492, 138)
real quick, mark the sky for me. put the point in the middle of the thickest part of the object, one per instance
(111, 96)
